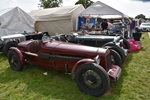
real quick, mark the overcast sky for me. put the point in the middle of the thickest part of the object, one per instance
(128, 7)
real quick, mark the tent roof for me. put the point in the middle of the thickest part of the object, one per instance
(98, 8)
(15, 20)
(63, 12)
(3, 11)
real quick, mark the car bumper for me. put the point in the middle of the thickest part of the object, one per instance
(145, 29)
(115, 72)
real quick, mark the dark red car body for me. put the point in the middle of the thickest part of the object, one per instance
(64, 56)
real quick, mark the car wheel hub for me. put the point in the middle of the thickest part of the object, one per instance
(91, 79)
(14, 61)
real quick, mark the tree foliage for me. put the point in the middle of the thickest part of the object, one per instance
(85, 3)
(140, 16)
(50, 3)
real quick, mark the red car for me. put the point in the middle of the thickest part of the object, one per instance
(90, 67)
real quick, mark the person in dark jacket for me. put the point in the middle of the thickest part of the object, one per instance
(104, 25)
(132, 27)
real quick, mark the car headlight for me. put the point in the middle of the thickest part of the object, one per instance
(97, 59)
(119, 43)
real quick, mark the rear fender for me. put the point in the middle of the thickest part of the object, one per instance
(112, 47)
(109, 44)
(19, 54)
(107, 47)
(80, 62)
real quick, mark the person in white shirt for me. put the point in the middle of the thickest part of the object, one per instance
(110, 25)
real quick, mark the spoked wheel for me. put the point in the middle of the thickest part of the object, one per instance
(14, 61)
(115, 58)
(119, 51)
(92, 79)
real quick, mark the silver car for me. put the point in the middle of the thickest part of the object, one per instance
(145, 26)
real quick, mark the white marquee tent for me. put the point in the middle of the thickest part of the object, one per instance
(101, 10)
(61, 20)
(15, 20)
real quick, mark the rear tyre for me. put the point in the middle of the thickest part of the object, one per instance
(120, 52)
(115, 58)
(126, 44)
(7, 47)
(92, 79)
(117, 49)
(14, 61)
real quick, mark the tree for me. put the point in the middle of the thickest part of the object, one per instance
(85, 3)
(140, 16)
(50, 3)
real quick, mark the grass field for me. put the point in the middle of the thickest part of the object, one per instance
(32, 84)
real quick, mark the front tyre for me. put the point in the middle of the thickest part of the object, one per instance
(14, 61)
(92, 79)
(115, 58)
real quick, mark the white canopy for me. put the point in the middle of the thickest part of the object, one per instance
(99, 9)
(57, 20)
(15, 20)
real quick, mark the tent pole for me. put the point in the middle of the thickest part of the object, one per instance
(123, 26)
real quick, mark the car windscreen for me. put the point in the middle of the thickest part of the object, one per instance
(146, 24)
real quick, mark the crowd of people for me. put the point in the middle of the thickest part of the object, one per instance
(107, 24)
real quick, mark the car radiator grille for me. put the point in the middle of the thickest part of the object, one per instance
(108, 61)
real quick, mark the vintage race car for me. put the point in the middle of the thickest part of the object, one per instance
(114, 43)
(90, 67)
(130, 43)
(12, 40)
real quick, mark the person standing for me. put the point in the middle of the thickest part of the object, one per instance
(132, 27)
(104, 25)
(110, 25)
(88, 24)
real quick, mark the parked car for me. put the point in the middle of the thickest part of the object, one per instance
(145, 26)
(114, 43)
(12, 40)
(90, 67)
(117, 21)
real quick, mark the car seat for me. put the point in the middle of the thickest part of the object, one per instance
(33, 46)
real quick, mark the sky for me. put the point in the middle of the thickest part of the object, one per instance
(131, 8)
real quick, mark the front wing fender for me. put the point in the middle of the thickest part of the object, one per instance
(21, 56)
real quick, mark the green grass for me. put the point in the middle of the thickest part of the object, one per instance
(32, 84)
